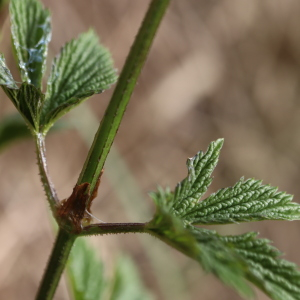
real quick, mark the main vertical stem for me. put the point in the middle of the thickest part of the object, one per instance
(103, 141)
(126, 83)
(56, 265)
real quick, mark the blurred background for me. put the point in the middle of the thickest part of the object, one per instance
(226, 69)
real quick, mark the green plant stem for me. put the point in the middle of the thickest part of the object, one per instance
(111, 228)
(56, 265)
(100, 148)
(126, 83)
(63, 246)
(45, 178)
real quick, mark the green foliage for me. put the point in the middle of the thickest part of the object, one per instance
(85, 271)
(31, 33)
(29, 100)
(6, 78)
(232, 258)
(83, 68)
(248, 200)
(87, 280)
(278, 278)
(126, 283)
(212, 255)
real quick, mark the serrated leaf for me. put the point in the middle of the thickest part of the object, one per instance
(6, 78)
(82, 69)
(127, 284)
(200, 167)
(31, 33)
(28, 100)
(248, 200)
(85, 272)
(278, 278)
(207, 250)
(233, 259)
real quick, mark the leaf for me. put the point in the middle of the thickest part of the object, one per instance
(30, 101)
(127, 284)
(31, 33)
(200, 167)
(85, 272)
(12, 128)
(231, 258)
(278, 278)
(248, 200)
(82, 69)
(6, 78)
(208, 250)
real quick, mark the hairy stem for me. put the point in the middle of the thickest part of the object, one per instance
(45, 178)
(56, 265)
(63, 246)
(100, 149)
(111, 228)
(117, 106)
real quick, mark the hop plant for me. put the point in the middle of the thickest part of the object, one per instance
(84, 68)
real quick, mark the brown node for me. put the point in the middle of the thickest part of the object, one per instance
(87, 216)
(73, 210)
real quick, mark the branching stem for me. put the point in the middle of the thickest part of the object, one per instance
(44, 175)
(100, 149)
(111, 228)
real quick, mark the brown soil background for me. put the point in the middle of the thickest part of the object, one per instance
(225, 68)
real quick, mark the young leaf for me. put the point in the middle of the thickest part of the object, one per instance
(200, 167)
(209, 251)
(30, 101)
(278, 278)
(85, 272)
(127, 284)
(248, 200)
(7, 82)
(31, 33)
(82, 69)
(27, 99)
(233, 259)
(6, 78)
